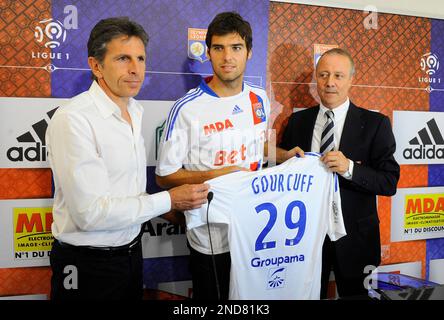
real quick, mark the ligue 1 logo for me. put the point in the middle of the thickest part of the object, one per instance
(52, 31)
(429, 63)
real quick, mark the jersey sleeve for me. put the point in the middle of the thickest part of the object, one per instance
(174, 144)
(221, 206)
(336, 227)
(218, 210)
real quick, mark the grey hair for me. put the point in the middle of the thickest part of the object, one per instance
(341, 52)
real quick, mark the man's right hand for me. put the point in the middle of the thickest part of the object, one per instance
(188, 196)
(295, 151)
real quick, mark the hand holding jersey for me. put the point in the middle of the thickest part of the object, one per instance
(187, 197)
(277, 220)
(336, 162)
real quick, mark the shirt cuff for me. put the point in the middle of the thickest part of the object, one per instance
(349, 173)
(158, 203)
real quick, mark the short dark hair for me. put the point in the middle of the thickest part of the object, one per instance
(108, 29)
(341, 52)
(230, 22)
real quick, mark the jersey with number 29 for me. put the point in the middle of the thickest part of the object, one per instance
(277, 220)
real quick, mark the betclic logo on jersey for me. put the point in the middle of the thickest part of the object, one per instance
(419, 137)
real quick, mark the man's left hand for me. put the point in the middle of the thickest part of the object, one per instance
(336, 161)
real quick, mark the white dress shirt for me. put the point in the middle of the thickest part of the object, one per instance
(99, 167)
(340, 114)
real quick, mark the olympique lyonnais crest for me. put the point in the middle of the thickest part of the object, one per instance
(257, 106)
(197, 48)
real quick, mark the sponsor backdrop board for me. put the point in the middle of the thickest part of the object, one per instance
(26, 238)
(23, 137)
(398, 61)
(419, 139)
(26, 232)
(43, 62)
(436, 274)
(399, 70)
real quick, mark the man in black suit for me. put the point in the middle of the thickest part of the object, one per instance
(362, 147)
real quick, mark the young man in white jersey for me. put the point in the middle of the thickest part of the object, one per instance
(217, 128)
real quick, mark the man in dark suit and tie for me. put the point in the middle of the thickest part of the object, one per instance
(358, 145)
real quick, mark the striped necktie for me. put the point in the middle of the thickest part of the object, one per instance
(327, 137)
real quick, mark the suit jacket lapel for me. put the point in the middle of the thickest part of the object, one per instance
(310, 123)
(352, 130)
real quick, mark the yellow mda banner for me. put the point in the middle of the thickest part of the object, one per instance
(417, 213)
(32, 232)
(424, 210)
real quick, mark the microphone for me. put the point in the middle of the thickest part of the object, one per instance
(216, 280)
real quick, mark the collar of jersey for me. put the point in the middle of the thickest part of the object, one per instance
(205, 88)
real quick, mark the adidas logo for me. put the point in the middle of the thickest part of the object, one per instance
(427, 141)
(36, 152)
(237, 110)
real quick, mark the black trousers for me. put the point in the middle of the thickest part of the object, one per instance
(80, 273)
(348, 287)
(203, 275)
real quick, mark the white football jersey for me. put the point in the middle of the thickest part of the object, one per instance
(205, 132)
(277, 219)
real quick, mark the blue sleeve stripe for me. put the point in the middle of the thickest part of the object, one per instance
(176, 108)
(313, 154)
(179, 101)
(176, 104)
